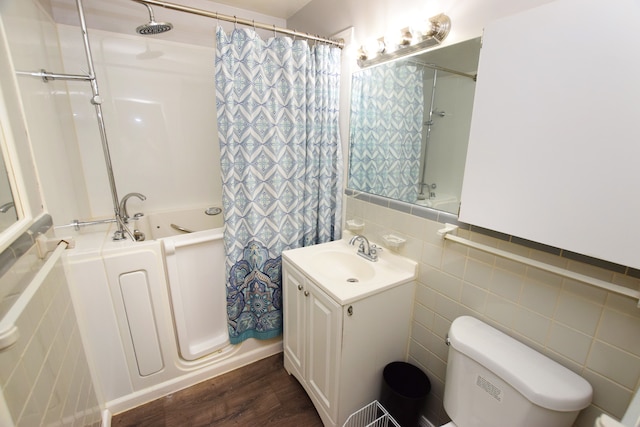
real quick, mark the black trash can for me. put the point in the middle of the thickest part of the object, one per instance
(404, 390)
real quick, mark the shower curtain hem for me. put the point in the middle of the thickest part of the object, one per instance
(267, 335)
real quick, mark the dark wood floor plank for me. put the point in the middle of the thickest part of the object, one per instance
(262, 394)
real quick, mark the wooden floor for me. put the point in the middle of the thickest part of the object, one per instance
(261, 394)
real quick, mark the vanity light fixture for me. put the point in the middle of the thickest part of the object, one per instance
(407, 40)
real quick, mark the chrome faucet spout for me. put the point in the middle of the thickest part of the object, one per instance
(4, 208)
(123, 204)
(365, 249)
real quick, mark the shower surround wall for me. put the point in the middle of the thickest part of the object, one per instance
(159, 109)
(447, 142)
(32, 40)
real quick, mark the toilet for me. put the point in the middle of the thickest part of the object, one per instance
(494, 380)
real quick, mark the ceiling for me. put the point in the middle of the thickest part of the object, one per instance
(279, 8)
(282, 9)
(123, 16)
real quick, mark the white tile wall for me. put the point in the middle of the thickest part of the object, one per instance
(44, 376)
(588, 330)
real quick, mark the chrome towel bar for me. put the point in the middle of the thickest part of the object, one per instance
(592, 281)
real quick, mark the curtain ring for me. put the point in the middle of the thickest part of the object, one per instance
(274, 31)
(254, 24)
(235, 22)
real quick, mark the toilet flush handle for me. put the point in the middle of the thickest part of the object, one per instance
(447, 341)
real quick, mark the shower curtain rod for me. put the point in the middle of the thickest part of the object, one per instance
(447, 70)
(236, 20)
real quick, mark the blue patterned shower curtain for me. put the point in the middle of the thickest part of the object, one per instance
(277, 103)
(386, 130)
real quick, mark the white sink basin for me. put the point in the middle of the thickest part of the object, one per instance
(346, 276)
(341, 266)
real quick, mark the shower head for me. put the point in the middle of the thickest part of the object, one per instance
(153, 27)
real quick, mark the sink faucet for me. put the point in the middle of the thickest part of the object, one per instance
(123, 204)
(365, 250)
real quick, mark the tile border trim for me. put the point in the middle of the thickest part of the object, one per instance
(445, 217)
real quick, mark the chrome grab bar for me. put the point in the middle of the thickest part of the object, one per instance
(184, 230)
(76, 224)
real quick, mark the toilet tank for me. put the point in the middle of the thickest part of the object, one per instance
(494, 380)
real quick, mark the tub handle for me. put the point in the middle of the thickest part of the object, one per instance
(184, 230)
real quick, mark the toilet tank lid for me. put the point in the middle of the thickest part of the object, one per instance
(541, 380)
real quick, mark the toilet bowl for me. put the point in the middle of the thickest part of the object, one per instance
(495, 380)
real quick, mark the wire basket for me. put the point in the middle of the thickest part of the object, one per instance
(372, 415)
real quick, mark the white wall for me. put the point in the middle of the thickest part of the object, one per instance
(372, 19)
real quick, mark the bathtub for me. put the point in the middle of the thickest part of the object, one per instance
(152, 314)
(441, 202)
(193, 248)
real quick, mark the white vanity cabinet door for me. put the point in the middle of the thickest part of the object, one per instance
(312, 337)
(324, 339)
(294, 330)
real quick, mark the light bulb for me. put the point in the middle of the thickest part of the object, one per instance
(373, 47)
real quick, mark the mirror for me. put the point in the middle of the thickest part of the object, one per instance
(409, 127)
(8, 212)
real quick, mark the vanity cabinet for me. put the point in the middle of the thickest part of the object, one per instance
(338, 351)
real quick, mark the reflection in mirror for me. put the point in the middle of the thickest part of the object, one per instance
(410, 123)
(8, 212)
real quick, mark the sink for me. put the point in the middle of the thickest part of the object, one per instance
(337, 269)
(341, 266)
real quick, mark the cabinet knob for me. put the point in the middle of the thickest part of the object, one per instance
(300, 287)
(306, 293)
(350, 310)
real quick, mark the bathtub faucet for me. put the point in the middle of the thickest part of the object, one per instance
(123, 205)
(4, 208)
(365, 250)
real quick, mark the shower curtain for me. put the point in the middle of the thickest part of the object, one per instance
(386, 130)
(277, 107)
